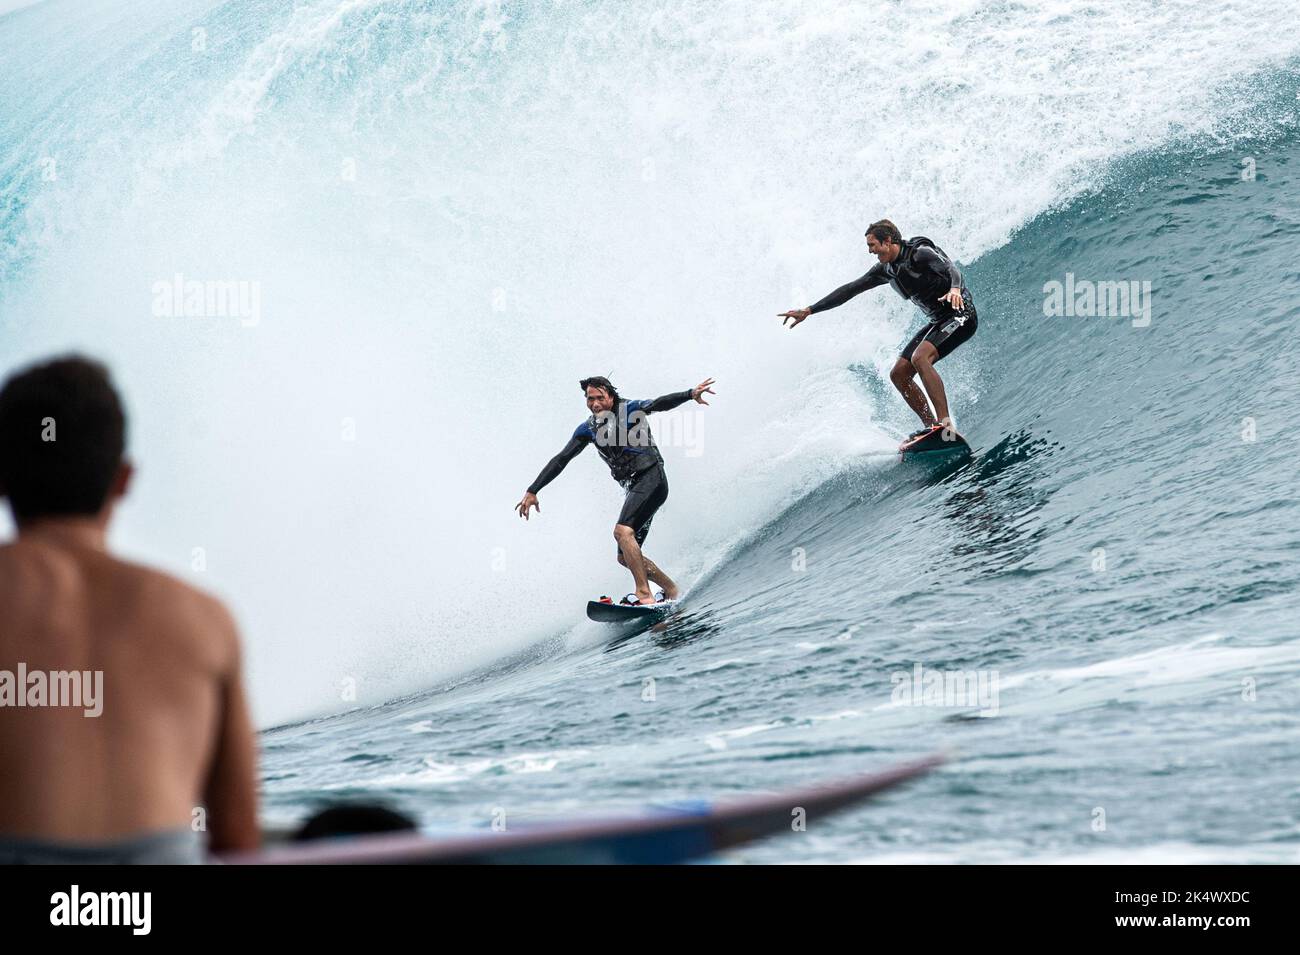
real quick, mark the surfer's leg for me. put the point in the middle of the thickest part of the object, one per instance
(646, 495)
(656, 576)
(630, 557)
(923, 360)
(941, 339)
(903, 377)
(653, 572)
(660, 578)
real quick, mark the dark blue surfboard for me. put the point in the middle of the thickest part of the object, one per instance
(628, 613)
(672, 835)
(937, 439)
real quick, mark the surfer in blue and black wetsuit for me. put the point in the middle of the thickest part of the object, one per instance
(921, 272)
(619, 430)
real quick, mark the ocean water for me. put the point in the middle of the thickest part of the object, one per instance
(451, 211)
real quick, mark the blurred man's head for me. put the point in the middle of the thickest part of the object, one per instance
(62, 438)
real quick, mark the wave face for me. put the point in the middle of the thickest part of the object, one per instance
(1117, 562)
(453, 211)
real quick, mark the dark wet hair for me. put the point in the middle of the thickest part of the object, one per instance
(885, 231)
(599, 381)
(62, 436)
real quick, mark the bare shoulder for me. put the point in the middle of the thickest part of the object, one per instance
(205, 615)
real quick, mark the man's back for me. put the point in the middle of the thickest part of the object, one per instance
(173, 732)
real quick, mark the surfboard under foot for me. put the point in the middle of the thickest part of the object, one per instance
(937, 439)
(602, 612)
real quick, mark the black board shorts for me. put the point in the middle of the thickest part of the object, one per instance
(646, 493)
(946, 334)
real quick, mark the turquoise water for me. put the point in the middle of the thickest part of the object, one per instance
(540, 195)
(1125, 689)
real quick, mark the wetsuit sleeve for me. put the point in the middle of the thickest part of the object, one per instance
(938, 265)
(662, 403)
(845, 292)
(557, 464)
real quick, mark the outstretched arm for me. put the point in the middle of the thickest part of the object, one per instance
(669, 402)
(551, 472)
(664, 402)
(558, 464)
(875, 276)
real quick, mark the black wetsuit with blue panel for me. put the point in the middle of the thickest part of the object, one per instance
(622, 438)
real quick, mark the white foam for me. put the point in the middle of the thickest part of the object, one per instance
(1177, 663)
(438, 772)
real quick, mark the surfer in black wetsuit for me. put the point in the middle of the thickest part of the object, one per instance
(921, 272)
(619, 430)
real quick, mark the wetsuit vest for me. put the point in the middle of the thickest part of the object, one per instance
(622, 438)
